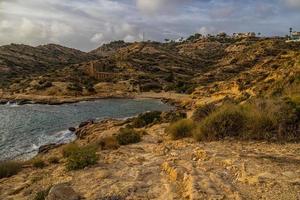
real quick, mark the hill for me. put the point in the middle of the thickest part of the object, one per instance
(209, 68)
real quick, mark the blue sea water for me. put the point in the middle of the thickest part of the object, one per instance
(24, 128)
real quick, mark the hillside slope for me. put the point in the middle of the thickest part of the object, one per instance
(211, 68)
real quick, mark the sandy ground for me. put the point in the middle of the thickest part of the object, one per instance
(158, 168)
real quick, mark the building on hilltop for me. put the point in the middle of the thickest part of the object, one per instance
(244, 35)
(294, 36)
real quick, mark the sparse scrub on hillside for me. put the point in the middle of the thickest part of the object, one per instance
(69, 149)
(75, 87)
(53, 160)
(275, 120)
(109, 142)
(38, 163)
(41, 195)
(81, 157)
(145, 119)
(9, 168)
(128, 136)
(181, 129)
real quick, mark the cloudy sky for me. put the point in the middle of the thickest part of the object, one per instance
(86, 24)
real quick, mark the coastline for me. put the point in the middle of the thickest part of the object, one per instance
(167, 97)
(49, 146)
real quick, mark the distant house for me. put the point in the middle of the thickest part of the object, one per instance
(295, 36)
(244, 35)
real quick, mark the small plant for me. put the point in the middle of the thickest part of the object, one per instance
(9, 168)
(128, 136)
(81, 157)
(41, 195)
(146, 119)
(53, 160)
(69, 149)
(180, 129)
(38, 163)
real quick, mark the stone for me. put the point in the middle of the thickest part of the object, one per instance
(72, 129)
(83, 124)
(62, 191)
(46, 148)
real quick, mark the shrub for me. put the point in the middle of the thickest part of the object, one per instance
(229, 120)
(75, 87)
(9, 168)
(128, 136)
(41, 195)
(69, 149)
(173, 116)
(203, 111)
(53, 160)
(272, 119)
(109, 142)
(145, 119)
(38, 163)
(81, 158)
(258, 120)
(180, 129)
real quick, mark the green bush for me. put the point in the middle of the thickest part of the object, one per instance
(229, 120)
(203, 111)
(181, 129)
(128, 136)
(81, 158)
(38, 163)
(258, 120)
(69, 149)
(272, 120)
(145, 119)
(9, 168)
(53, 160)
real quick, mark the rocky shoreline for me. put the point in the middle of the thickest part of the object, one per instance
(169, 98)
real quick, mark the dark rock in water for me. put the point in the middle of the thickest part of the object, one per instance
(72, 129)
(3, 101)
(83, 124)
(48, 147)
(23, 102)
(62, 191)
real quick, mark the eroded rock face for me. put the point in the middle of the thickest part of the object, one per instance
(62, 191)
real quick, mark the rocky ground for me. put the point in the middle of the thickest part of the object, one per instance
(159, 168)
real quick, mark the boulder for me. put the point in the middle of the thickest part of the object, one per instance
(83, 124)
(48, 147)
(72, 129)
(62, 191)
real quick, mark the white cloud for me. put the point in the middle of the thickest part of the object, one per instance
(159, 6)
(85, 24)
(97, 38)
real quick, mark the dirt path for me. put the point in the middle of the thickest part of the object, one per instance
(158, 168)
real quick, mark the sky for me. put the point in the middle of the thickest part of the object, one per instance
(87, 24)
